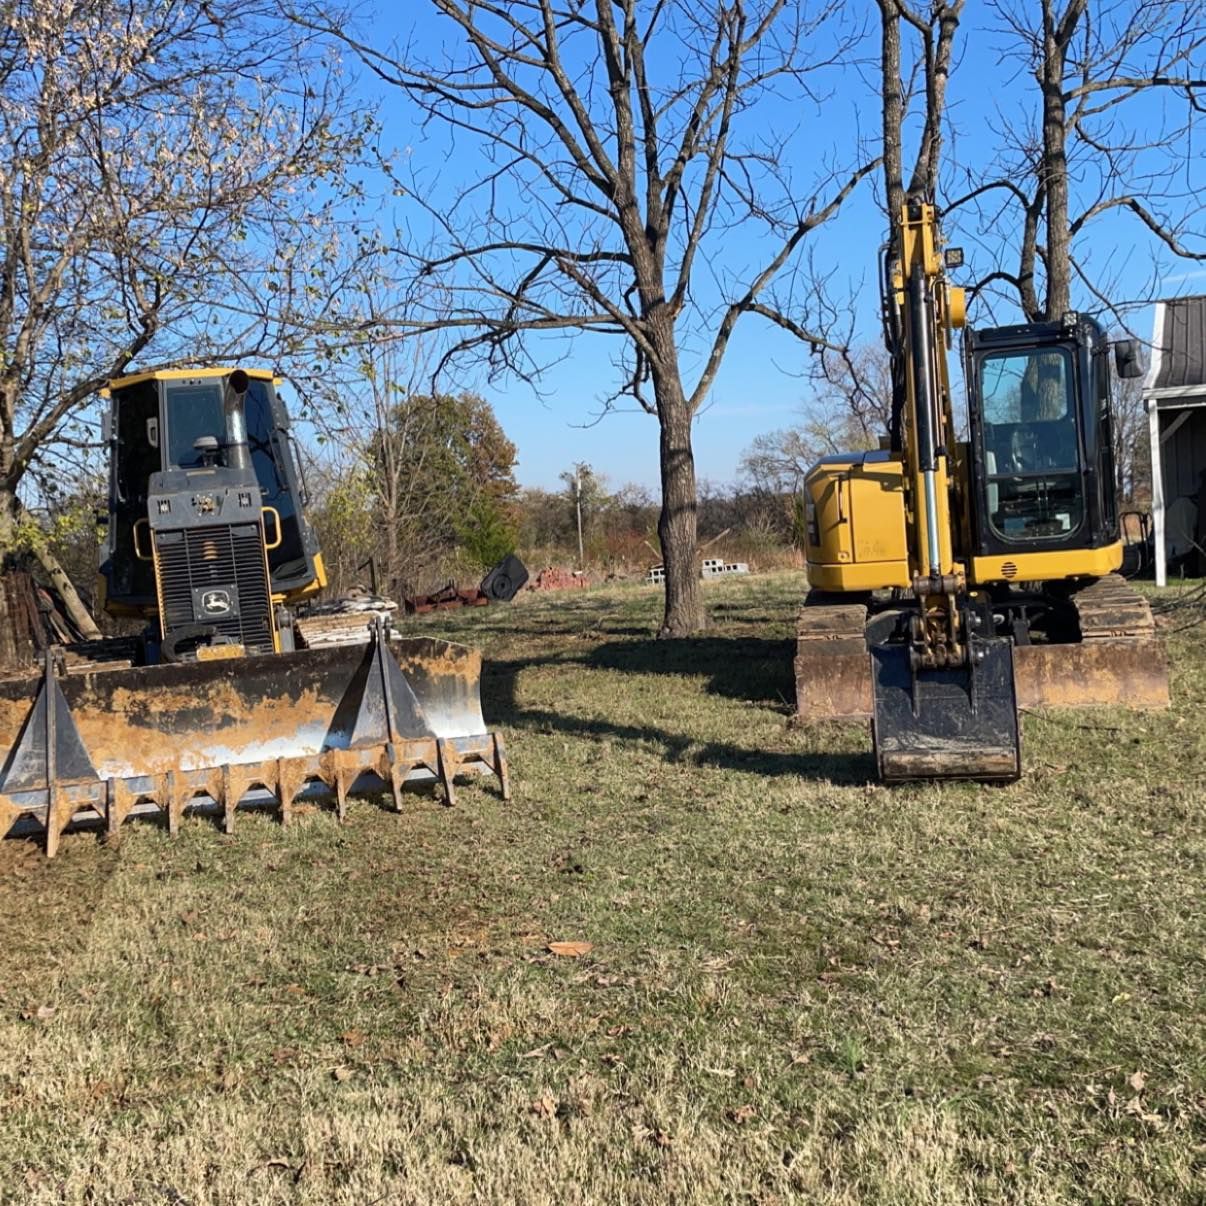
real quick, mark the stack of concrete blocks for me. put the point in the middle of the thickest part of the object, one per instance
(713, 567)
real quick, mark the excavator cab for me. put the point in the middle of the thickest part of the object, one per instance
(1041, 449)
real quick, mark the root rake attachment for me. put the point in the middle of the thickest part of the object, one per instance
(104, 746)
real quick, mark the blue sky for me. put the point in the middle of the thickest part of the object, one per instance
(762, 385)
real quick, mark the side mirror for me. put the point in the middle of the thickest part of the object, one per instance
(1127, 363)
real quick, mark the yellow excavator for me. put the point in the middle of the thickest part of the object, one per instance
(954, 581)
(229, 694)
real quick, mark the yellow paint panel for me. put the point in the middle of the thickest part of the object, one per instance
(877, 507)
(181, 374)
(857, 539)
(860, 576)
(1043, 567)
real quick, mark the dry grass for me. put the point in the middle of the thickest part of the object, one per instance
(802, 985)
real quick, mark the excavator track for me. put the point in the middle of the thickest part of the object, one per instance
(1111, 608)
(833, 680)
(1118, 661)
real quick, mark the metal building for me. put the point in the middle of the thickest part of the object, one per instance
(1174, 395)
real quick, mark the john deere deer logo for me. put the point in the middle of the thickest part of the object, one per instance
(215, 603)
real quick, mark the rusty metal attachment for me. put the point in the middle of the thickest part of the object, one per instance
(101, 745)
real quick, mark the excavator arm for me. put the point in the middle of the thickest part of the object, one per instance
(943, 693)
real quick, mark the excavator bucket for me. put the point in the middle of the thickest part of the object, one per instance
(105, 744)
(958, 723)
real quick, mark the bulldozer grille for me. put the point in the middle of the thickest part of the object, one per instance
(220, 562)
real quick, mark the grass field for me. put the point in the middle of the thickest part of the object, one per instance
(802, 985)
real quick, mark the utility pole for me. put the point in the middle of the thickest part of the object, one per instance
(578, 508)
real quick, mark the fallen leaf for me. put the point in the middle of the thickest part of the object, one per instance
(742, 1114)
(352, 1038)
(571, 950)
(343, 1073)
(1137, 1081)
(295, 990)
(45, 1012)
(545, 1107)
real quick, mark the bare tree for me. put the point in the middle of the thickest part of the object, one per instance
(850, 411)
(861, 389)
(936, 27)
(623, 145)
(160, 175)
(1117, 86)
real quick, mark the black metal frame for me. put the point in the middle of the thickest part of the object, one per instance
(1088, 348)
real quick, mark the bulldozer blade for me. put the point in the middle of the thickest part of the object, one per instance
(350, 717)
(1101, 673)
(959, 723)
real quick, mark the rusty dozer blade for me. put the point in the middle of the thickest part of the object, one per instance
(108, 743)
(946, 724)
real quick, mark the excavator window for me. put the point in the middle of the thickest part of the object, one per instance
(1031, 444)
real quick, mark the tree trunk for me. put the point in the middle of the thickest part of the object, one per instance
(1055, 176)
(81, 617)
(676, 526)
(893, 109)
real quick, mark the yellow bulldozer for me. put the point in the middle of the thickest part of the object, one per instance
(954, 581)
(220, 700)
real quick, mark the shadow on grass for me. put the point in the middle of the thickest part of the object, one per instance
(754, 669)
(501, 707)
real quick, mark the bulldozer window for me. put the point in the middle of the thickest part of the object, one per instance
(135, 458)
(262, 438)
(1031, 449)
(193, 411)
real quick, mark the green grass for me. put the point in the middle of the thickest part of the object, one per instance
(803, 985)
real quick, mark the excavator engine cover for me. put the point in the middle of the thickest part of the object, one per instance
(958, 723)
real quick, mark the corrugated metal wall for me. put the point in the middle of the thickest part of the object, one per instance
(1183, 455)
(1183, 361)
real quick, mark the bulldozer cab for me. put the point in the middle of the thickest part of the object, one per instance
(174, 422)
